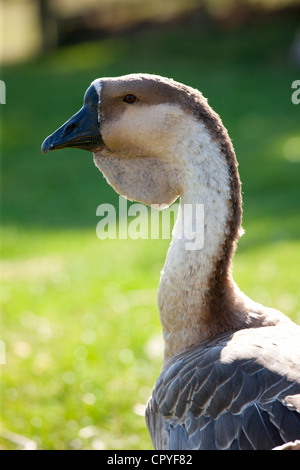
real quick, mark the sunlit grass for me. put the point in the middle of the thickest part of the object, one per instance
(81, 332)
(269, 274)
(79, 315)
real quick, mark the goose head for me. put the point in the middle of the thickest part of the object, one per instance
(140, 128)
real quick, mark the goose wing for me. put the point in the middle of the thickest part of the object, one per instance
(239, 391)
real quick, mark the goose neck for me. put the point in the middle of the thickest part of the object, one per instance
(196, 277)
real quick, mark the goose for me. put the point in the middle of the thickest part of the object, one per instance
(230, 376)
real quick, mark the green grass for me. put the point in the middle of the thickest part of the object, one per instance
(79, 315)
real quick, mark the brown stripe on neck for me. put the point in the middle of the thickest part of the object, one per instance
(220, 303)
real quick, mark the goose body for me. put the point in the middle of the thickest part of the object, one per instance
(230, 377)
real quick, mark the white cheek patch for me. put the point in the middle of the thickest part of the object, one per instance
(145, 129)
(97, 84)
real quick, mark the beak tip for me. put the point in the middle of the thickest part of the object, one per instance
(46, 146)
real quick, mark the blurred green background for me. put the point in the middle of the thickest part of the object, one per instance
(78, 315)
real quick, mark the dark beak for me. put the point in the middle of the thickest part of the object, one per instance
(81, 130)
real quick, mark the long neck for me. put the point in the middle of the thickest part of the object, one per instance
(196, 289)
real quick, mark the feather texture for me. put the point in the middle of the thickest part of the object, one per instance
(210, 397)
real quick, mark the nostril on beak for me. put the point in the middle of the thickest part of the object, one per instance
(70, 128)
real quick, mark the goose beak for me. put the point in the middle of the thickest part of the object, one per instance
(81, 130)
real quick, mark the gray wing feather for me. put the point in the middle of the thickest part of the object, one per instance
(240, 391)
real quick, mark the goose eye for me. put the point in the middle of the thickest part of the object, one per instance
(129, 99)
